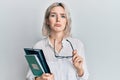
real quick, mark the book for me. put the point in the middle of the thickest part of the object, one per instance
(34, 65)
(41, 58)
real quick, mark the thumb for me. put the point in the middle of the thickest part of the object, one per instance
(74, 52)
(47, 74)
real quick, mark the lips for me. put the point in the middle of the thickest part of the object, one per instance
(57, 25)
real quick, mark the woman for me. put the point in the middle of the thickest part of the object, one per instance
(64, 54)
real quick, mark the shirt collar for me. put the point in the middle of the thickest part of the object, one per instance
(48, 43)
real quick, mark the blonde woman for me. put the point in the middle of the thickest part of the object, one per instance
(64, 54)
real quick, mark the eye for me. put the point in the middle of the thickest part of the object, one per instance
(52, 15)
(63, 16)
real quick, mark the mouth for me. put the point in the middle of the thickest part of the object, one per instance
(58, 25)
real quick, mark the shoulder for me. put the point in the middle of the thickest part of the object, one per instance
(40, 43)
(76, 41)
(78, 45)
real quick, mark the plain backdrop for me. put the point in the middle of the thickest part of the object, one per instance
(95, 22)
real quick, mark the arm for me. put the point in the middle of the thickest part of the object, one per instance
(79, 62)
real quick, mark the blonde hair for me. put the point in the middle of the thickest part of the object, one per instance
(45, 27)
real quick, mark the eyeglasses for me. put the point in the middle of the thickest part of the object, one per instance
(61, 57)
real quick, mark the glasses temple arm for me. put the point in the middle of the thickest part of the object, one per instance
(70, 44)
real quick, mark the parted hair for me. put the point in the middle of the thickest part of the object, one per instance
(46, 28)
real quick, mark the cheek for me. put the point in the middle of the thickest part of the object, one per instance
(51, 22)
(64, 22)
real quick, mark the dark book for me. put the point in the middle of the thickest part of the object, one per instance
(41, 58)
(34, 65)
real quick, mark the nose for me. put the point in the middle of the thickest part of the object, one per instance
(58, 19)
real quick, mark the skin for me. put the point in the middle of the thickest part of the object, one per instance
(57, 22)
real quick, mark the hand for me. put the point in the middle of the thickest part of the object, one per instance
(46, 76)
(78, 63)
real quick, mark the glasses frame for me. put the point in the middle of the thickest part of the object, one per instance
(61, 57)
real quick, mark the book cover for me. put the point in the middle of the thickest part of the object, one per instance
(34, 65)
(39, 53)
(43, 62)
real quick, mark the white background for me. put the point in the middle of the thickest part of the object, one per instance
(95, 22)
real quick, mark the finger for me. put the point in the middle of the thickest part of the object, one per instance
(74, 52)
(49, 76)
(75, 56)
(78, 60)
(45, 76)
(52, 77)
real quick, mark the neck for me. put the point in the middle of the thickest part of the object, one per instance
(56, 36)
(56, 40)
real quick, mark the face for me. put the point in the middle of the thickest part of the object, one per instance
(57, 19)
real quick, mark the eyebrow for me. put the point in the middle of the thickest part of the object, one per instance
(56, 13)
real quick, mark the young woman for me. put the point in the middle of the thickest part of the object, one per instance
(64, 54)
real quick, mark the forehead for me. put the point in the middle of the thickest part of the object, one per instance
(57, 9)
